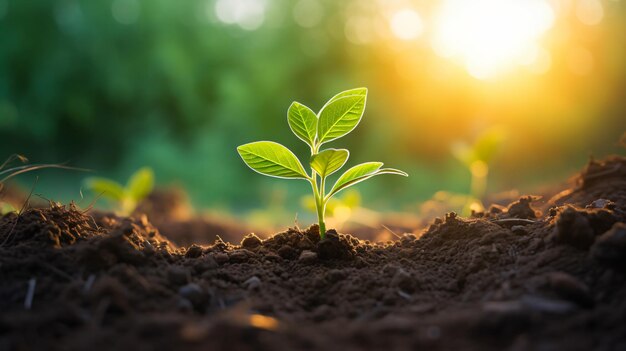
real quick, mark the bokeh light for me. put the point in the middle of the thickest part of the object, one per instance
(247, 14)
(589, 12)
(406, 24)
(308, 13)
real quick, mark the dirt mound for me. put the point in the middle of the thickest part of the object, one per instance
(170, 211)
(55, 226)
(599, 180)
(513, 278)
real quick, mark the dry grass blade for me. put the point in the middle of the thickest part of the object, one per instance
(13, 158)
(12, 172)
(391, 231)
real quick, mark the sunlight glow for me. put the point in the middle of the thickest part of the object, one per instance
(406, 24)
(542, 62)
(580, 61)
(491, 36)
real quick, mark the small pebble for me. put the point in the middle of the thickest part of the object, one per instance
(305, 244)
(601, 203)
(408, 238)
(252, 283)
(240, 255)
(522, 208)
(194, 251)
(251, 241)
(307, 257)
(401, 279)
(272, 257)
(192, 292)
(287, 252)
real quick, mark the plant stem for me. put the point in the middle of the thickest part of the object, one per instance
(479, 170)
(320, 202)
(478, 186)
(321, 211)
(321, 207)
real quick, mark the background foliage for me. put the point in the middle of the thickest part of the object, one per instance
(177, 85)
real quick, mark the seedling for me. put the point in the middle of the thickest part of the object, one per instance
(339, 116)
(476, 157)
(126, 198)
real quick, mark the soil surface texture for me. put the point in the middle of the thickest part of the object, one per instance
(517, 277)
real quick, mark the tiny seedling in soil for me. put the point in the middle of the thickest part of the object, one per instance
(126, 198)
(477, 157)
(339, 116)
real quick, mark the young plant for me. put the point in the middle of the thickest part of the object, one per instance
(477, 157)
(138, 186)
(339, 116)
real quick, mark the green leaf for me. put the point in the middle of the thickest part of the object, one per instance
(329, 161)
(340, 116)
(360, 173)
(271, 159)
(303, 122)
(351, 92)
(140, 184)
(355, 172)
(105, 187)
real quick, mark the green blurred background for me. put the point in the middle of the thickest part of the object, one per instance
(177, 85)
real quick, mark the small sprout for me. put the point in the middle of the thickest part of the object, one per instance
(476, 157)
(338, 117)
(139, 185)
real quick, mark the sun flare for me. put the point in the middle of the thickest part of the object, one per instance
(491, 36)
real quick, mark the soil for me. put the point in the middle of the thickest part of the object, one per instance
(512, 278)
(171, 212)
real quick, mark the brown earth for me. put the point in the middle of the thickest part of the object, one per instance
(171, 213)
(514, 278)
